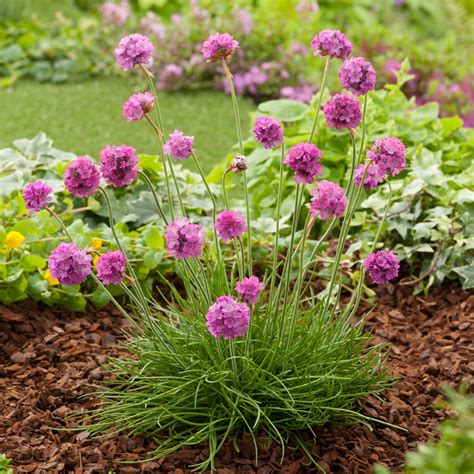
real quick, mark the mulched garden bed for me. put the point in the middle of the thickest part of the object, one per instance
(49, 358)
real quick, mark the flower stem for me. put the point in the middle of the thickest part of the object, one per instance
(155, 197)
(321, 92)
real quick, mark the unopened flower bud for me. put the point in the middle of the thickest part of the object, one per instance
(238, 164)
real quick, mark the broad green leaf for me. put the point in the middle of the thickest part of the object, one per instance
(284, 109)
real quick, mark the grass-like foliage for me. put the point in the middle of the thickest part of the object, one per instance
(236, 349)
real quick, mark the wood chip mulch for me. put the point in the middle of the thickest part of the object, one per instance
(49, 358)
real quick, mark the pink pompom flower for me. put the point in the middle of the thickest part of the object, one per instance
(249, 289)
(329, 200)
(69, 265)
(118, 165)
(373, 177)
(219, 46)
(357, 76)
(82, 177)
(342, 111)
(228, 318)
(268, 131)
(331, 43)
(132, 50)
(137, 105)
(304, 159)
(179, 146)
(183, 239)
(111, 267)
(389, 155)
(382, 266)
(230, 224)
(37, 195)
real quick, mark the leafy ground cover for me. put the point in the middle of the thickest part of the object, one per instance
(61, 353)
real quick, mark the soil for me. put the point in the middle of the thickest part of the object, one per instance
(50, 358)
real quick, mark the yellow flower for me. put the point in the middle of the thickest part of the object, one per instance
(13, 240)
(97, 243)
(49, 278)
(94, 260)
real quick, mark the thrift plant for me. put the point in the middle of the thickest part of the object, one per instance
(237, 347)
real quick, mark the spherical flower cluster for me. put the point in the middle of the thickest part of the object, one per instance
(389, 155)
(382, 266)
(219, 46)
(111, 267)
(119, 165)
(179, 146)
(357, 76)
(137, 105)
(238, 164)
(329, 200)
(82, 178)
(37, 195)
(132, 50)
(230, 224)
(249, 289)
(342, 111)
(183, 239)
(227, 317)
(304, 159)
(268, 131)
(331, 43)
(69, 265)
(372, 177)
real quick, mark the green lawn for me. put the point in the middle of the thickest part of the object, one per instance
(83, 117)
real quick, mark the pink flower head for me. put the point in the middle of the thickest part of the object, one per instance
(179, 146)
(230, 224)
(82, 178)
(227, 317)
(268, 131)
(357, 76)
(137, 105)
(372, 177)
(389, 155)
(238, 164)
(331, 43)
(219, 46)
(329, 200)
(113, 14)
(183, 239)
(37, 195)
(111, 267)
(304, 159)
(132, 50)
(119, 165)
(382, 266)
(69, 265)
(249, 289)
(342, 111)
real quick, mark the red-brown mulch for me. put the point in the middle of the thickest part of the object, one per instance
(49, 358)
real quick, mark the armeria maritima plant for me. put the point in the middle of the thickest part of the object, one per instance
(240, 349)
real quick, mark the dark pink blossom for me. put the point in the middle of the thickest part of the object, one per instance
(69, 265)
(183, 239)
(219, 46)
(111, 267)
(357, 76)
(268, 131)
(331, 43)
(249, 289)
(230, 224)
(329, 200)
(228, 318)
(37, 195)
(304, 159)
(342, 111)
(119, 165)
(132, 50)
(82, 177)
(382, 266)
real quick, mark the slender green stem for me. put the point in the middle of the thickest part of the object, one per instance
(249, 227)
(224, 189)
(321, 92)
(155, 196)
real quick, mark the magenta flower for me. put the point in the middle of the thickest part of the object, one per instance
(183, 239)
(342, 111)
(372, 178)
(357, 76)
(389, 155)
(329, 200)
(82, 178)
(119, 165)
(304, 159)
(382, 266)
(227, 317)
(69, 265)
(230, 224)
(268, 131)
(179, 146)
(249, 289)
(137, 105)
(37, 195)
(219, 46)
(132, 50)
(111, 267)
(331, 43)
